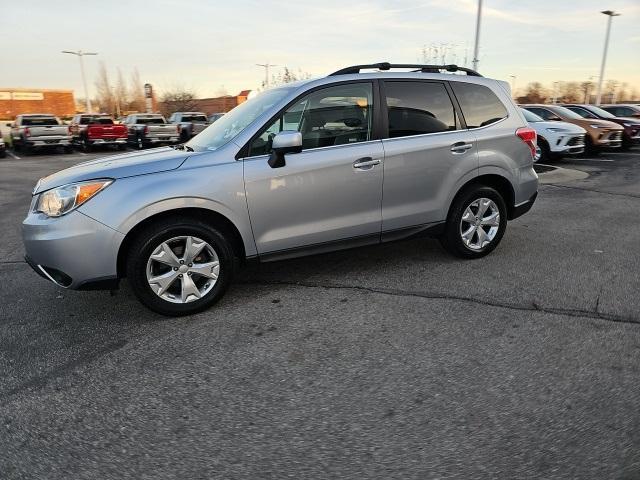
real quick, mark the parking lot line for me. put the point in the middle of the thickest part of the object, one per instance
(592, 160)
(9, 152)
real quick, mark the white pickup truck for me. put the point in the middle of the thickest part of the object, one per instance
(147, 129)
(38, 130)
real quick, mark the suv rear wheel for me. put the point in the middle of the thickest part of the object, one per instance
(476, 223)
(180, 266)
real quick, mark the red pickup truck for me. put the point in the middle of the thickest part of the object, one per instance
(90, 129)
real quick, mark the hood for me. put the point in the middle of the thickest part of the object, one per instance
(540, 127)
(632, 120)
(117, 166)
(585, 122)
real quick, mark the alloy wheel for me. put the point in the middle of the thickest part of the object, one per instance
(480, 223)
(183, 269)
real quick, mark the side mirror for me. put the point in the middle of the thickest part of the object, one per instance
(287, 141)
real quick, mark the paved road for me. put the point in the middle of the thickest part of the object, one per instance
(395, 361)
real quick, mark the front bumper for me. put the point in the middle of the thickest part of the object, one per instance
(74, 251)
(569, 144)
(612, 138)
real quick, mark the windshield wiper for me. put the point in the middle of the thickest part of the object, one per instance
(182, 146)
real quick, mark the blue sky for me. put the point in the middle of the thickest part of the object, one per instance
(207, 45)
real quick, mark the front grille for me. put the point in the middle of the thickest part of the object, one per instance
(579, 140)
(615, 136)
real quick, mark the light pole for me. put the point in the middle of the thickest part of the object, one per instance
(555, 92)
(266, 72)
(513, 85)
(81, 54)
(477, 44)
(610, 14)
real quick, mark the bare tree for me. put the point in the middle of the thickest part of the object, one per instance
(178, 99)
(136, 93)
(121, 94)
(104, 93)
(534, 93)
(570, 92)
(287, 76)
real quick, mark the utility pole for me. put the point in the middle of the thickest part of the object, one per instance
(81, 54)
(266, 67)
(610, 14)
(477, 44)
(513, 85)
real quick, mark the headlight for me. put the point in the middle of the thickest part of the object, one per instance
(60, 201)
(595, 125)
(557, 130)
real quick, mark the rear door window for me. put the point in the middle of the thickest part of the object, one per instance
(480, 106)
(416, 108)
(39, 121)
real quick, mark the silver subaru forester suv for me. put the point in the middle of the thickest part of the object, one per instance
(352, 159)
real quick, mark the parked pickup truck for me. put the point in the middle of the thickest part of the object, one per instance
(89, 130)
(189, 124)
(146, 129)
(36, 130)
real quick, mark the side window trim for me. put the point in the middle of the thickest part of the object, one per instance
(384, 108)
(244, 152)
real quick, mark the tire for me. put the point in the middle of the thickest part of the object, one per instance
(3, 153)
(184, 136)
(139, 143)
(68, 149)
(452, 239)
(545, 151)
(86, 146)
(172, 232)
(589, 147)
(121, 147)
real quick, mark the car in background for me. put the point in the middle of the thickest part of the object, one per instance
(189, 124)
(555, 139)
(623, 110)
(93, 129)
(3, 147)
(631, 133)
(150, 129)
(215, 116)
(30, 131)
(600, 133)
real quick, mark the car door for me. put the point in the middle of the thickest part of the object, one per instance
(427, 152)
(329, 194)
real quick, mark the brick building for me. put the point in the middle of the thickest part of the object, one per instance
(212, 105)
(14, 101)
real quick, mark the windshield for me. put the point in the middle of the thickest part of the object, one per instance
(232, 123)
(601, 112)
(530, 116)
(565, 112)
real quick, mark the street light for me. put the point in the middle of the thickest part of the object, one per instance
(513, 85)
(81, 54)
(610, 14)
(477, 44)
(266, 73)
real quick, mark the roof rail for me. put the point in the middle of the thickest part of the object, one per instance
(419, 68)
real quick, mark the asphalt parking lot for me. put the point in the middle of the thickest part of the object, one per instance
(395, 361)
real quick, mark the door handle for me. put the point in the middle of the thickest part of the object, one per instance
(365, 163)
(460, 147)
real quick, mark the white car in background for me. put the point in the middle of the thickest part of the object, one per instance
(555, 139)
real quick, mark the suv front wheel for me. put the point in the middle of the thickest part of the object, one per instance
(477, 221)
(179, 266)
